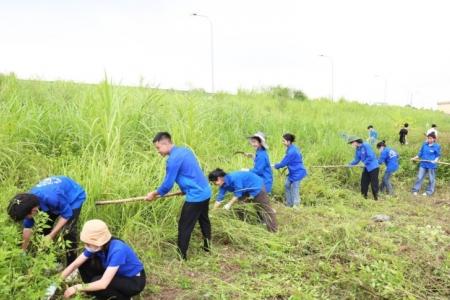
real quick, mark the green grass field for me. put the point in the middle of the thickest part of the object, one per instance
(100, 135)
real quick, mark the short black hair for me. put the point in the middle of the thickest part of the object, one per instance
(162, 136)
(432, 134)
(381, 144)
(406, 124)
(21, 205)
(434, 125)
(214, 175)
(370, 126)
(289, 137)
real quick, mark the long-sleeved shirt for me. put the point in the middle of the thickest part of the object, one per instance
(59, 195)
(183, 168)
(293, 160)
(429, 152)
(263, 169)
(365, 154)
(240, 183)
(390, 158)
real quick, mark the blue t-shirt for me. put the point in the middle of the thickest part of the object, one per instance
(365, 154)
(428, 152)
(390, 158)
(240, 183)
(294, 162)
(183, 168)
(373, 136)
(119, 254)
(59, 195)
(263, 169)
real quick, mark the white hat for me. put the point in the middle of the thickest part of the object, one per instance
(262, 137)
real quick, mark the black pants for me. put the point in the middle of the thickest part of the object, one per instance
(70, 231)
(190, 214)
(372, 179)
(120, 287)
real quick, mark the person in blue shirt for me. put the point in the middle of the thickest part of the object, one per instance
(366, 155)
(373, 135)
(390, 157)
(57, 196)
(261, 166)
(429, 153)
(293, 160)
(183, 168)
(243, 185)
(108, 267)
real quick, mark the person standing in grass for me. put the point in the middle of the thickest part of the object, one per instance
(432, 129)
(429, 153)
(261, 165)
(390, 157)
(293, 160)
(243, 185)
(183, 168)
(403, 133)
(366, 155)
(108, 267)
(60, 198)
(373, 135)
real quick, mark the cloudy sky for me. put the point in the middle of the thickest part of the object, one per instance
(256, 43)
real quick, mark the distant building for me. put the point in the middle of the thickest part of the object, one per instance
(444, 106)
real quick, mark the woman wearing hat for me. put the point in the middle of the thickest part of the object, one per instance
(261, 166)
(293, 160)
(390, 157)
(371, 169)
(108, 267)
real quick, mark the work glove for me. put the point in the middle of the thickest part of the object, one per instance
(227, 206)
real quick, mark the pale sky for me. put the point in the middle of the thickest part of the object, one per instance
(256, 44)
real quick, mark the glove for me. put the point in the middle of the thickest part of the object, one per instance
(227, 206)
(50, 291)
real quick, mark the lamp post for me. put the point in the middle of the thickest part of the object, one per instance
(332, 75)
(212, 52)
(407, 94)
(385, 84)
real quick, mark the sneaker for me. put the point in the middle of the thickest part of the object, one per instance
(415, 193)
(50, 291)
(424, 194)
(72, 276)
(59, 267)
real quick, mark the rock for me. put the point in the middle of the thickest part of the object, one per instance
(381, 218)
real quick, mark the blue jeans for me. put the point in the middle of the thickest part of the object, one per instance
(292, 193)
(385, 182)
(421, 177)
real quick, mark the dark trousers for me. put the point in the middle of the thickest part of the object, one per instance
(190, 214)
(264, 210)
(70, 233)
(120, 287)
(372, 179)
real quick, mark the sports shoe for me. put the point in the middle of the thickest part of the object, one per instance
(72, 276)
(415, 193)
(424, 194)
(50, 291)
(59, 267)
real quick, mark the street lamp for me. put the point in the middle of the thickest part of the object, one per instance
(407, 94)
(332, 75)
(212, 52)
(385, 84)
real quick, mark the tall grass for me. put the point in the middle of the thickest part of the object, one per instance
(101, 135)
